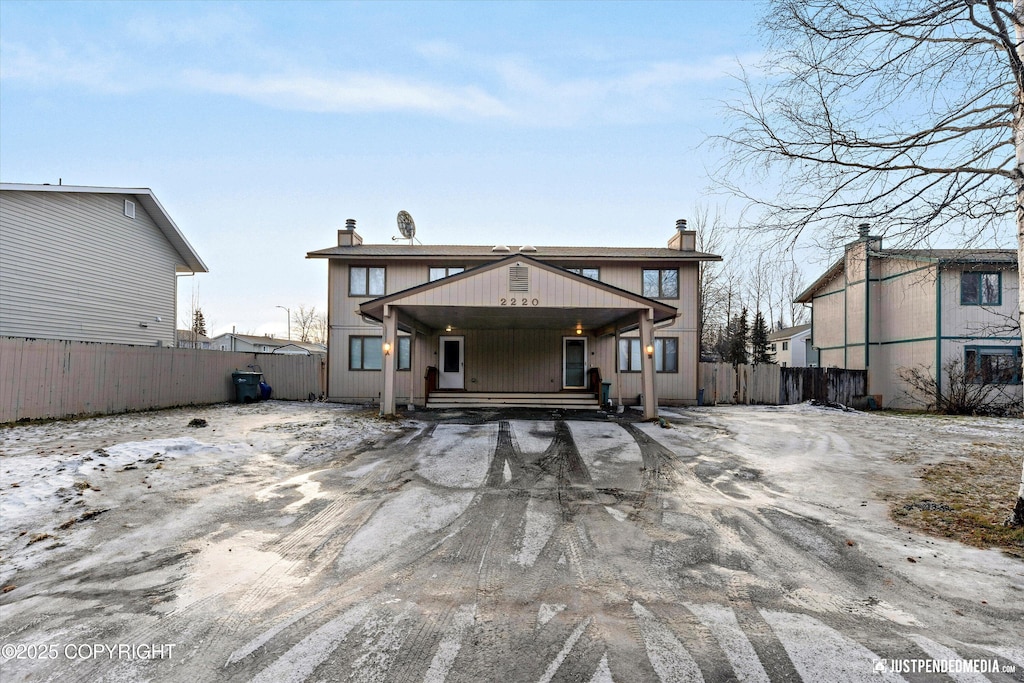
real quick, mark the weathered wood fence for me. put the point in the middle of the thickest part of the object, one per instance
(46, 378)
(774, 385)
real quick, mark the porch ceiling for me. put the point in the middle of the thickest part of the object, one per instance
(505, 317)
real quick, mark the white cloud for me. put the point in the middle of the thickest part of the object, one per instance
(354, 92)
(56, 66)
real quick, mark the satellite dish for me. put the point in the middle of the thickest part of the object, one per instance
(406, 226)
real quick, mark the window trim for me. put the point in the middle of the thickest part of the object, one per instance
(980, 351)
(661, 283)
(363, 339)
(980, 275)
(368, 294)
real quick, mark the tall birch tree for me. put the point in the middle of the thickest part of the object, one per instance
(907, 114)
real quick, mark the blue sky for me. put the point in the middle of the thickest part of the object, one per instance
(262, 126)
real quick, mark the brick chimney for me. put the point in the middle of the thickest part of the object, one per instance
(683, 240)
(347, 236)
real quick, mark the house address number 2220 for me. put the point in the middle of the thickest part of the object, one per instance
(519, 302)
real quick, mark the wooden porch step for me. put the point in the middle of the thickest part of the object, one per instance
(554, 400)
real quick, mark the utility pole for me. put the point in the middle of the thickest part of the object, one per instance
(289, 312)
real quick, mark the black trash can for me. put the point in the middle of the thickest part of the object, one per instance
(247, 386)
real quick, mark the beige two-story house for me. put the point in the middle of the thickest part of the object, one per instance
(443, 325)
(887, 309)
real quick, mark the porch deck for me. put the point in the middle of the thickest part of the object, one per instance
(555, 400)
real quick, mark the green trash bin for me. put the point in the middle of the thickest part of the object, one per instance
(606, 393)
(247, 386)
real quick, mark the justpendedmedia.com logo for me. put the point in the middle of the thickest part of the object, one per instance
(943, 666)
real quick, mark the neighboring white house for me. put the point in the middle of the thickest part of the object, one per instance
(789, 346)
(261, 344)
(886, 309)
(95, 264)
(301, 349)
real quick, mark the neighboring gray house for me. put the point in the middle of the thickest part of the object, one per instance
(298, 348)
(95, 264)
(187, 339)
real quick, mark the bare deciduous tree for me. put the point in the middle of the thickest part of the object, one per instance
(908, 114)
(304, 319)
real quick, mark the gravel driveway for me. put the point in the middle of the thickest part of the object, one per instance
(311, 542)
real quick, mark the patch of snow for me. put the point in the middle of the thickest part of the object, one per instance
(451, 643)
(721, 620)
(538, 525)
(547, 612)
(532, 436)
(670, 659)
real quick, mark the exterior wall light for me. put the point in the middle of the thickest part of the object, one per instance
(579, 328)
(387, 348)
(650, 350)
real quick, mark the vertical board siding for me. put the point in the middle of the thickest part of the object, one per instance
(45, 378)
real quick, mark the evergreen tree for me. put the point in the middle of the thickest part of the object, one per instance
(759, 341)
(738, 335)
(198, 324)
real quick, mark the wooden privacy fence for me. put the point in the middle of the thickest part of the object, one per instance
(47, 378)
(774, 385)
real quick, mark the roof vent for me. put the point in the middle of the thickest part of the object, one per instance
(500, 247)
(681, 224)
(527, 247)
(350, 223)
(518, 279)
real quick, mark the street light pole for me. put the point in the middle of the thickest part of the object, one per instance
(289, 312)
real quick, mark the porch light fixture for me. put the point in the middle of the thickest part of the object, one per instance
(650, 350)
(448, 329)
(387, 348)
(579, 328)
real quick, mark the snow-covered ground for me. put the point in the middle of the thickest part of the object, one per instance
(294, 541)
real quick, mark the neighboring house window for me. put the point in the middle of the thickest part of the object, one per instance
(785, 346)
(992, 364)
(773, 347)
(438, 273)
(365, 353)
(592, 273)
(403, 359)
(661, 284)
(666, 355)
(981, 289)
(364, 281)
(783, 363)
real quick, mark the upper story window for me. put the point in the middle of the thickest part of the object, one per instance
(592, 273)
(981, 289)
(661, 283)
(438, 273)
(785, 346)
(363, 281)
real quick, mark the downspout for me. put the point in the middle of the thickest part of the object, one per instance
(938, 332)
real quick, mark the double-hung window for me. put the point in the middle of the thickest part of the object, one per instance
(366, 281)
(981, 289)
(661, 283)
(666, 354)
(993, 364)
(365, 353)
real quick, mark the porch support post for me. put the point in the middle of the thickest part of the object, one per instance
(618, 373)
(387, 397)
(412, 368)
(647, 366)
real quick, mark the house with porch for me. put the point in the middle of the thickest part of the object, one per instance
(530, 326)
(883, 310)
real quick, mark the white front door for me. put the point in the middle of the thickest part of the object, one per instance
(450, 361)
(574, 362)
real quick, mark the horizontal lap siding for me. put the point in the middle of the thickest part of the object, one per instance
(42, 378)
(73, 266)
